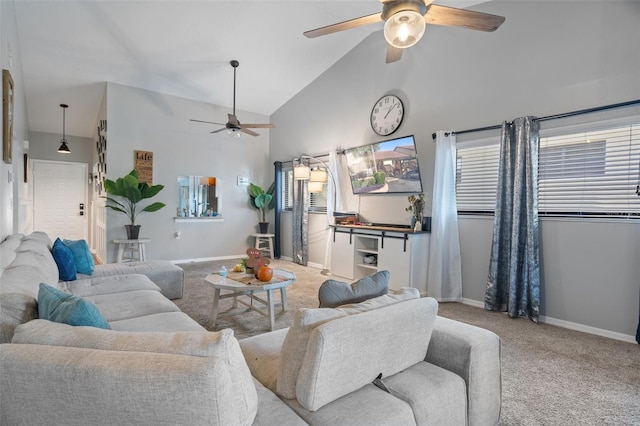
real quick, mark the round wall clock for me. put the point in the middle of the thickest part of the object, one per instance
(386, 115)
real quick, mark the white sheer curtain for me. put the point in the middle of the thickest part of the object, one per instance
(445, 270)
(334, 203)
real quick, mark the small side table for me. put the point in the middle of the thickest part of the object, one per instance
(134, 248)
(264, 242)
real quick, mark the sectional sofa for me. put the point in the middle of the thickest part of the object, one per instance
(389, 360)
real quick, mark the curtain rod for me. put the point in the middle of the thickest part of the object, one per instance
(341, 152)
(552, 117)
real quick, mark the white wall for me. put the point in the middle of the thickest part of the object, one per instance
(15, 210)
(148, 121)
(547, 58)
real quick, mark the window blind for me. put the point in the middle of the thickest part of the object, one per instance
(591, 173)
(317, 201)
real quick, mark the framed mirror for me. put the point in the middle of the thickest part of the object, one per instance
(198, 196)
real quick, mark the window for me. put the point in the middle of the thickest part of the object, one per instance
(591, 173)
(317, 201)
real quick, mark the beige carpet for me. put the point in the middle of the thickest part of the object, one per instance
(550, 375)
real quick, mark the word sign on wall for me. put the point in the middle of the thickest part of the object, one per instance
(143, 164)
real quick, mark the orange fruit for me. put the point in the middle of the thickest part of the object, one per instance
(264, 274)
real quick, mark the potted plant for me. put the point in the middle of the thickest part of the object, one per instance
(131, 192)
(416, 205)
(263, 201)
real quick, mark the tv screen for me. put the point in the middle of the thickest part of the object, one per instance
(387, 167)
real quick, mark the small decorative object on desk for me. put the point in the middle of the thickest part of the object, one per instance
(370, 259)
(416, 206)
(255, 261)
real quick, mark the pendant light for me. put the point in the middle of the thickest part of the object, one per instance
(64, 149)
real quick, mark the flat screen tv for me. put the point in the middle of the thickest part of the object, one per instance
(387, 167)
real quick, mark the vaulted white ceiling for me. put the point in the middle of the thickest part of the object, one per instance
(68, 49)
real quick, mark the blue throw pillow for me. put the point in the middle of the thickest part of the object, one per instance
(65, 260)
(58, 306)
(82, 255)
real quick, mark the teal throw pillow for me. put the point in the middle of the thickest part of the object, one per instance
(65, 260)
(82, 255)
(58, 306)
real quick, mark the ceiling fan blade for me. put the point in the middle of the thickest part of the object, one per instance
(219, 130)
(249, 132)
(393, 54)
(443, 15)
(208, 122)
(258, 126)
(346, 25)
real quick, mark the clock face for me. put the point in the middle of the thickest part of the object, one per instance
(386, 115)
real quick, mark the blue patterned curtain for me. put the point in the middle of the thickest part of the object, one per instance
(300, 222)
(513, 284)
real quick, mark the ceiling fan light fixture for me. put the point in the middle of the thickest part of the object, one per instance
(234, 133)
(404, 29)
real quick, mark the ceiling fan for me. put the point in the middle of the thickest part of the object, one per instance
(233, 125)
(405, 21)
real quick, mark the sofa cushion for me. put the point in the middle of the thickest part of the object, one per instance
(7, 251)
(166, 275)
(65, 260)
(43, 237)
(89, 287)
(306, 320)
(132, 304)
(15, 309)
(58, 306)
(226, 387)
(367, 406)
(27, 271)
(334, 293)
(347, 353)
(162, 321)
(44, 332)
(82, 256)
(415, 385)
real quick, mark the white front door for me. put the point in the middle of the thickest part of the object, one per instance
(59, 199)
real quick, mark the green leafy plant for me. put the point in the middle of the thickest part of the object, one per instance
(131, 192)
(261, 199)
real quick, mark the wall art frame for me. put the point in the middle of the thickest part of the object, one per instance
(7, 116)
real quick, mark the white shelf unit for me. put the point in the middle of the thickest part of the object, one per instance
(404, 254)
(365, 246)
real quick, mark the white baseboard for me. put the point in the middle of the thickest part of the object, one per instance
(587, 329)
(472, 302)
(207, 259)
(569, 325)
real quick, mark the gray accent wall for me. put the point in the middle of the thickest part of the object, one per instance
(148, 121)
(547, 58)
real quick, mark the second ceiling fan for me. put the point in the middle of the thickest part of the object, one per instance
(233, 125)
(405, 21)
